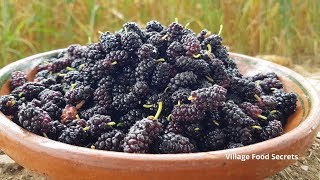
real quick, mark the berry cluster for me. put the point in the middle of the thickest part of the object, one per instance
(153, 90)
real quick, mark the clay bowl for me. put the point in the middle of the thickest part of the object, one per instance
(62, 161)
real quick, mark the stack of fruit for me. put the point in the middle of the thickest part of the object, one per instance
(153, 90)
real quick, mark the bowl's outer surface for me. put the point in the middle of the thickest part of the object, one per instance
(63, 161)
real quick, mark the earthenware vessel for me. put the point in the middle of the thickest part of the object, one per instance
(62, 161)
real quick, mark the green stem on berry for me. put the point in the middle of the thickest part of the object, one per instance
(160, 104)
(179, 103)
(164, 37)
(258, 83)
(169, 117)
(216, 123)
(161, 60)
(273, 89)
(186, 26)
(69, 68)
(111, 123)
(209, 49)
(190, 98)
(256, 127)
(10, 103)
(150, 117)
(197, 129)
(273, 111)
(86, 128)
(77, 117)
(45, 135)
(20, 94)
(92, 147)
(262, 117)
(209, 78)
(82, 66)
(73, 86)
(120, 124)
(196, 56)
(61, 74)
(257, 98)
(148, 105)
(176, 20)
(100, 32)
(220, 30)
(114, 63)
(166, 89)
(89, 40)
(207, 34)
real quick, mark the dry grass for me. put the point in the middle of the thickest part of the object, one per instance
(284, 27)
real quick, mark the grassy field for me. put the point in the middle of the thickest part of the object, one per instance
(289, 28)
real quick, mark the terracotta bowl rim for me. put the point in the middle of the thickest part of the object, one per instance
(309, 124)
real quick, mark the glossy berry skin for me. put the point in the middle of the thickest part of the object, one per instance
(272, 130)
(219, 73)
(241, 135)
(215, 140)
(235, 116)
(18, 78)
(209, 99)
(141, 135)
(245, 88)
(141, 89)
(145, 69)
(130, 118)
(110, 141)
(191, 44)
(181, 95)
(102, 97)
(232, 145)
(34, 119)
(78, 94)
(147, 51)
(175, 50)
(186, 113)
(134, 28)
(55, 97)
(31, 90)
(197, 66)
(174, 143)
(214, 40)
(251, 110)
(110, 42)
(183, 80)
(162, 75)
(175, 31)
(125, 102)
(75, 133)
(53, 110)
(99, 124)
(268, 83)
(8, 105)
(119, 56)
(154, 26)
(131, 41)
(286, 102)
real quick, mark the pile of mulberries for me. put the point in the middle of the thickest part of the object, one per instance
(154, 90)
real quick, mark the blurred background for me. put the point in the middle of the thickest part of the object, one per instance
(286, 28)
